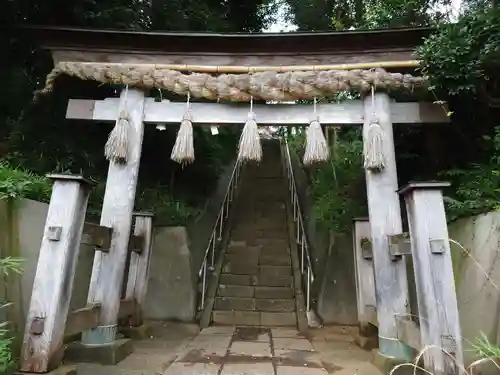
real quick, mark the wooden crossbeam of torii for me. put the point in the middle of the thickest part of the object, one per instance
(346, 113)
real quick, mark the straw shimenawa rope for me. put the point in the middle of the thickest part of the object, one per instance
(237, 87)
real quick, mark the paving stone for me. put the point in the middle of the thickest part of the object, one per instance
(252, 334)
(205, 354)
(285, 332)
(292, 344)
(248, 369)
(179, 368)
(278, 305)
(95, 369)
(250, 349)
(273, 292)
(203, 341)
(306, 358)
(288, 370)
(215, 330)
(146, 361)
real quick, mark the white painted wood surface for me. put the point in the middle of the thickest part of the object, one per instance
(365, 280)
(108, 269)
(346, 113)
(385, 218)
(50, 299)
(435, 284)
(138, 274)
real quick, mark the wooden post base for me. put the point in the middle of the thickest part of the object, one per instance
(142, 332)
(367, 337)
(109, 354)
(386, 364)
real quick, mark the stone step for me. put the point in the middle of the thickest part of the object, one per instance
(247, 268)
(269, 244)
(255, 318)
(249, 291)
(273, 292)
(249, 250)
(277, 224)
(254, 304)
(253, 251)
(252, 234)
(275, 259)
(254, 257)
(256, 280)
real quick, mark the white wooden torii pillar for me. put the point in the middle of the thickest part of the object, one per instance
(391, 283)
(121, 184)
(118, 205)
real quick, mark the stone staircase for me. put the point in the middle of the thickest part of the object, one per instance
(256, 282)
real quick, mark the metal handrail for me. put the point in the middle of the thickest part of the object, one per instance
(216, 236)
(306, 268)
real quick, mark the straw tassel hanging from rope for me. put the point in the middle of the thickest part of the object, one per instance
(116, 148)
(249, 148)
(183, 151)
(316, 145)
(374, 142)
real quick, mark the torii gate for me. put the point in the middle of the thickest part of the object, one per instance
(92, 54)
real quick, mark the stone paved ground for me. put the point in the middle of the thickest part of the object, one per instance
(177, 349)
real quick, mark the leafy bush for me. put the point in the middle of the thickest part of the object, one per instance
(168, 210)
(7, 265)
(462, 57)
(478, 186)
(337, 187)
(19, 183)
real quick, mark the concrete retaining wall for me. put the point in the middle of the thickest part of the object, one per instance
(21, 230)
(176, 257)
(477, 276)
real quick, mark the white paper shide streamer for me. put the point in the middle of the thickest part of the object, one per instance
(249, 148)
(183, 151)
(116, 148)
(373, 145)
(317, 150)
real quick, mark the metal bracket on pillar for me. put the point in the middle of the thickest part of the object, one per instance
(366, 248)
(399, 245)
(437, 246)
(97, 236)
(449, 344)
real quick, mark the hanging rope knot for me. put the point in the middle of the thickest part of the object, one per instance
(249, 148)
(373, 145)
(316, 150)
(116, 148)
(183, 151)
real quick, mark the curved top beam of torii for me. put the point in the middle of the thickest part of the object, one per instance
(391, 49)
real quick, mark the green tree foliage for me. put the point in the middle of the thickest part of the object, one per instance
(464, 57)
(319, 15)
(36, 137)
(462, 62)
